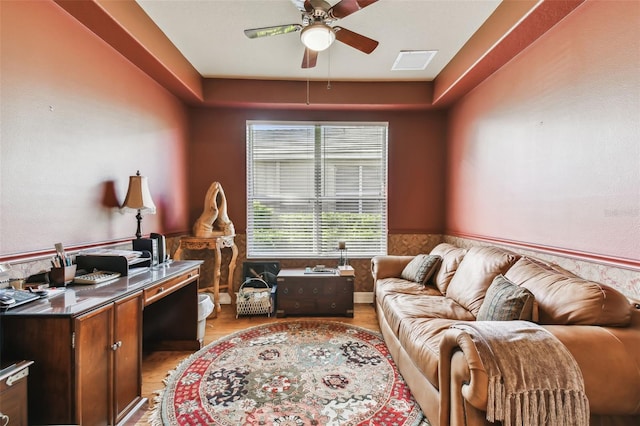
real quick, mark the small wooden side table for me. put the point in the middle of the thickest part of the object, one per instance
(216, 244)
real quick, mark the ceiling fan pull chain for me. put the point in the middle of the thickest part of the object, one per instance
(306, 52)
(329, 70)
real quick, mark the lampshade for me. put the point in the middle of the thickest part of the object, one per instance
(318, 36)
(138, 195)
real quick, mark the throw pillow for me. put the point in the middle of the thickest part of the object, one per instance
(421, 268)
(506, 301)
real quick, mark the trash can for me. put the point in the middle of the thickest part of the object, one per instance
(205, 307)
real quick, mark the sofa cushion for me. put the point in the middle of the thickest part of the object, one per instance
(505, 301)
(421, 268)
(476, 272)
(388, 286)
(451, 258)
(398, 307)
(564, 298)
(420, 338)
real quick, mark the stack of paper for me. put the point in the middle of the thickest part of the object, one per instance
(346, 271)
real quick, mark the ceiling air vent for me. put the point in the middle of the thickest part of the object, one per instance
(413, 60)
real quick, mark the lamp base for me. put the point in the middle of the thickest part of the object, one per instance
(343, 257)
(138, 231)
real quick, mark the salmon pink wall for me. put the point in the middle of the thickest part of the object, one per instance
(546, 151)
(77, 116)
(416, 160)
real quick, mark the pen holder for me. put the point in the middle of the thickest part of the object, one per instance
(62, 276)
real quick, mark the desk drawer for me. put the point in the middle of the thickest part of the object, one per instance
(160, 290)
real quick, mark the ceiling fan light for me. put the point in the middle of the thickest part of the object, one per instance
(317, 36)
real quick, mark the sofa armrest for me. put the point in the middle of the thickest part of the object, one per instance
(609, 358)
(388, 266)
(460, 378)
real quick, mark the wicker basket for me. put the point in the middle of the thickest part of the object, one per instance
(254, 298)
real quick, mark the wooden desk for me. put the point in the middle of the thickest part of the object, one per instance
(87, 342)
(216, 244)
(13, 394)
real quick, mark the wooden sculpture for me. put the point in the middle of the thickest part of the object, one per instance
(214, 221)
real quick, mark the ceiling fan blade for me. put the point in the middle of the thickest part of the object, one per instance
(365, 3)
(271, 31)
(302, 5)
(355, 40)
(347, 7)
(308, 6)
(310, 58)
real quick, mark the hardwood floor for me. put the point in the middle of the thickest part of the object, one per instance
(156, 365)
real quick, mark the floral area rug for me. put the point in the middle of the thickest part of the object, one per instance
(289, 374)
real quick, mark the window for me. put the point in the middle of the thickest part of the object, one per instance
(311, 185)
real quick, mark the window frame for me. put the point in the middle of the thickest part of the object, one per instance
(320, 249)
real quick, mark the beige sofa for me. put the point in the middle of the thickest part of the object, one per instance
(597, 324)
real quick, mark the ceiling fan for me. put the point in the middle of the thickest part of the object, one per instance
(316, 30)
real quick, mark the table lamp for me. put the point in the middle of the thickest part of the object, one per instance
(139, 198)
(342, 247)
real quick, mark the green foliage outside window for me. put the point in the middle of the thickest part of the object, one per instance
(292, 230)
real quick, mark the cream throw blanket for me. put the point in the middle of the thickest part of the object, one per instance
(533, 378)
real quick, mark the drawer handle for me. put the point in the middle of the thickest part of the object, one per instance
(116, 345)
(285, 291)
(4, 419)
(19, 375)
(333, 305)
(161, 289)
(297, 305)
(300, 290)
(315, 290)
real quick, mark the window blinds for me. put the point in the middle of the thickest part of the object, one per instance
(311, 185)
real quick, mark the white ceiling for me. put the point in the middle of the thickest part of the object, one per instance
(209, 33)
